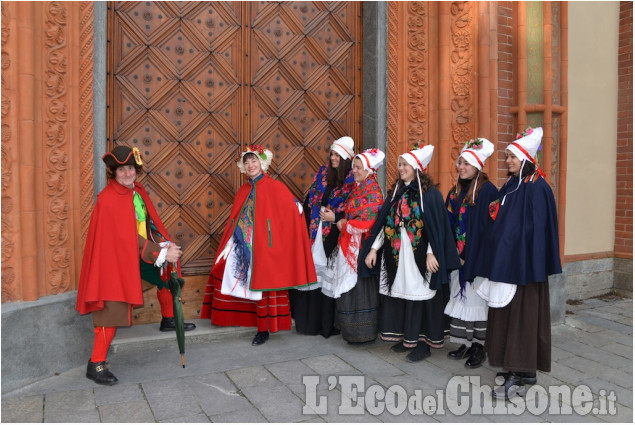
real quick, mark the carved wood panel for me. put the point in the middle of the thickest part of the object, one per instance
(191, 83)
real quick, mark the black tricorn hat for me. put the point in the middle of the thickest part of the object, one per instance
(122, 155)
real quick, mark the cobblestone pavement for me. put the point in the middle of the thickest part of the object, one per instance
(297, 378)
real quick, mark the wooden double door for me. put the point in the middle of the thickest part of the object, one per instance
(191, 83)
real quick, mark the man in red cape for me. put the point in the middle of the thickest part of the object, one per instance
(264, 251)
(126, 242)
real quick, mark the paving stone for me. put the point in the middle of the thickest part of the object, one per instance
(601, 386)
(428, 372)
(619, 349)
(623, 414)
(134, 411)
(275, 402)
(592, 368)
(336, 400)
(118, 394)
(216, 394)
(170, 399)
(313, 421)
(606, 324)
(23, 409)
(601, 356)
(575, 321)
(610, 315)
(192, 419)
(558, 353)
(329, 365)
(290, 372)
(250, 415)
(593, 348)
(251, 376)
(565, 373)
(70, 406)
(367, 363)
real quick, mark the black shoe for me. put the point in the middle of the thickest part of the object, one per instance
(99, 373)
(421, 352)
(167, 325)
(399, 348)
(260, 338)
(477, 357)
(526, 377)
(462, 352)
(513, 386)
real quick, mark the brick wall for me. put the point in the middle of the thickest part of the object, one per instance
(624, 201)
(506, 89)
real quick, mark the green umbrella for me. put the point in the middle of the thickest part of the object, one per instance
(175, 283)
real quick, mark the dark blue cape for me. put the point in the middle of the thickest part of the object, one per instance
(523, 246)
(437, 233)
(479, 224)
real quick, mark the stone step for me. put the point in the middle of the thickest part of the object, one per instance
(149, 337)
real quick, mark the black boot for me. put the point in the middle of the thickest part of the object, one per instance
(421, 352)
(477, 357)
(99, 373)
(260, 338)
(513, 386)
(167, 325)
(400, 348)
(462, 352)
(527, 377)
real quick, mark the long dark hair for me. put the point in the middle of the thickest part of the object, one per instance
(425, 179)
(337, 176)
(482, 178)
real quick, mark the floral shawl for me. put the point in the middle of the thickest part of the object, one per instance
(407, 213)
(361, 210)
(364, 201)
(335, 201)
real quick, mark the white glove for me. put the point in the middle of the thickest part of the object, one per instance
(225, 252)
(164, 252)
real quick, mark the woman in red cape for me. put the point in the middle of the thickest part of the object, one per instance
(264, 251)
(126, 242)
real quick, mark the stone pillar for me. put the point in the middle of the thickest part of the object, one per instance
(375, 22)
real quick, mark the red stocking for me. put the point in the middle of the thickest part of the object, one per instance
(103, 338)
(165, 299)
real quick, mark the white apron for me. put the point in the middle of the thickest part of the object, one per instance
(409, 284)
(470, 307)
(230, 284)
(497, 294)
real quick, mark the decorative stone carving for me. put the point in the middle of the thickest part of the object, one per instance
(58, 255)
(86, 44)
(8, 227)
(393, 98)
(417, 73)
(462, 79)
(407, 79)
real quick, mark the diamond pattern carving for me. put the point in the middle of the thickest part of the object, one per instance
(217, 21)
(192, 82)
(147, 18)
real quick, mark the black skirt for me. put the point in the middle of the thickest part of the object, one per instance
(313, 312)
(413, 321)
(357, 311)
(519, 334)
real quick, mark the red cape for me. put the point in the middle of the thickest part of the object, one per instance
(110, 267)
(282, 252)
